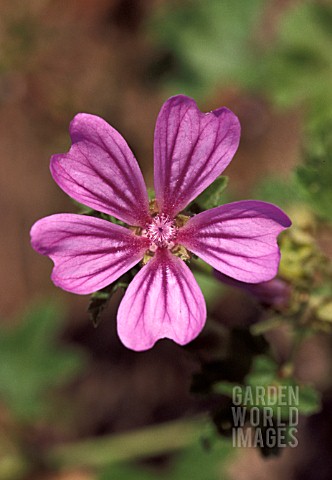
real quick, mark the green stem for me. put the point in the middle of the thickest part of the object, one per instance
(142, 443)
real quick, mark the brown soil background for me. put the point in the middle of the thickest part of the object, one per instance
(59, 58)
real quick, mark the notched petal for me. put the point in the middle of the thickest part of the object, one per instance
(191, 150)
(101, 172)
(163, 301)
(238, 239)
(88, 253)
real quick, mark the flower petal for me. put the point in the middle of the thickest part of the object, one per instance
(238, 239)
(163, 300)
(88, 253)
(100, 171)
(191, 149)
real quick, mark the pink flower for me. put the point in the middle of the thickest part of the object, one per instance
(191, 150)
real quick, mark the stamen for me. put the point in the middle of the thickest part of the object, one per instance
(161, 231)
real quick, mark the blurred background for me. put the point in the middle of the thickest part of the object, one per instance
(74, 403)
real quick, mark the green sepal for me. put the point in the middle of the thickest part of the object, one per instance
(99, 300)
(212, 196)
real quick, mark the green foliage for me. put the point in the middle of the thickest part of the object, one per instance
(213, 195)
(301, 255)
(31, 363)
(315, 174)
(99, 300)
(211, 41)
(195, 463)
(297, 69)
(97, 304)
(311, 182)
(309, 272)
(84, 210)
(210, 286)
(218, 43)
(280, 191)
(265, 372)
(127, 472)
(310, 400)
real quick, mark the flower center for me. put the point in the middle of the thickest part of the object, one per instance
(161, 231)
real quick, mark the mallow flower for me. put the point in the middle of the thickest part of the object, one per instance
(191, 149)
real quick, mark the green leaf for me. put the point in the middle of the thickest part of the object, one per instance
(31, 362)
(127, 472)
(210, 41)
(196, 463)
(263, 371)
(84, 210)
(309, 400)
(297, 69)
(100, 299)
(215, 43)
(212, 196)
(97, 304)
(225, 388)
(212, 289)
(315, 174)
